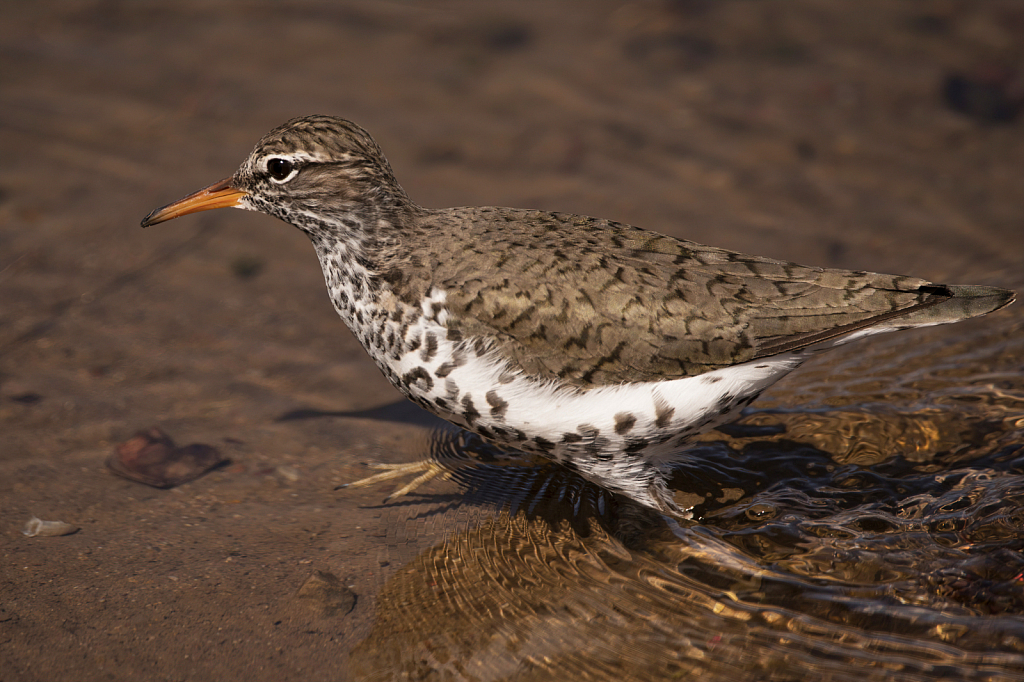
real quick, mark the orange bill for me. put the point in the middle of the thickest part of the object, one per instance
(218, 195)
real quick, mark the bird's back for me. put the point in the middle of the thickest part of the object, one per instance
(593, 302)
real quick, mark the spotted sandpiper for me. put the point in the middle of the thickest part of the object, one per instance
(596, 344)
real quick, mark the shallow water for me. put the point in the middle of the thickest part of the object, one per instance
(864, 520)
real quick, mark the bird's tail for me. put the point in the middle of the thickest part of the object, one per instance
(942, 303)
(921, 305)
(937, 304)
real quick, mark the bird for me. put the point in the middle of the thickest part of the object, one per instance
(591, 343)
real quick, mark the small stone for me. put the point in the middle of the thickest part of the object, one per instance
(327, 595)
(151, 457)
(990, 95)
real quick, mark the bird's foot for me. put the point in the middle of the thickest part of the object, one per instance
(428, 469)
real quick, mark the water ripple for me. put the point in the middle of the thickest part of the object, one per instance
(869, 527)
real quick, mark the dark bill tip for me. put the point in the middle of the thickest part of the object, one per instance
(218, 195)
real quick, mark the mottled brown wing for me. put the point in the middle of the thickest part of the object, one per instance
(594, 302)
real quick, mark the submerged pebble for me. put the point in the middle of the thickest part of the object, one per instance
(151, 457)
(327, 595)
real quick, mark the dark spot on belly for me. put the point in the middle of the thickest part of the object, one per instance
(445, 369)
(451, 390)
(624, 421)
(595, 445)
(635, 445)
(599, 450)
(662, 413)
(429, 347)
(710, 379)
(749, 399)
(571, 437)
(543, 445)
(419, 374)
(724, 402)
(498, 406)
(468, 410)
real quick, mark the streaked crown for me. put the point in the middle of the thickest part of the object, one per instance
(321, 171)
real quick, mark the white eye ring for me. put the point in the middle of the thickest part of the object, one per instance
(281, 169)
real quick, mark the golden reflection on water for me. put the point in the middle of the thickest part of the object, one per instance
(863, 528)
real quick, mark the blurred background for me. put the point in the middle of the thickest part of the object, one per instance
(872, 135)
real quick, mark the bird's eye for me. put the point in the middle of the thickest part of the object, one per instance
(280, 169)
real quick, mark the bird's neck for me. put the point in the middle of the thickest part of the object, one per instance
(356, 255)
(345, 254)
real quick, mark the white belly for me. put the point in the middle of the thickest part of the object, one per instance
(613, 435)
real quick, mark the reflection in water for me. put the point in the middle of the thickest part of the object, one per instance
(876, 533)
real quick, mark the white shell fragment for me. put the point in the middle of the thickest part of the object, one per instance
(289, 473)
(36, 527)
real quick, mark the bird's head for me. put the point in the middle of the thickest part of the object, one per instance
(319, 173)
